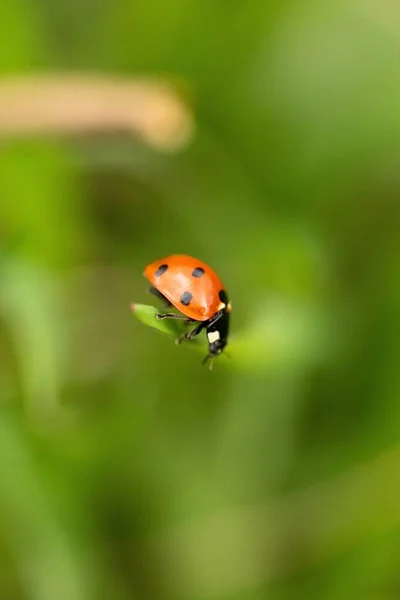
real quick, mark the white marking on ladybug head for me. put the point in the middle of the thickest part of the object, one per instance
(213, 336)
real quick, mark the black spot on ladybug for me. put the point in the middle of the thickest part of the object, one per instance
(223, 296)
(161, 269)
(186, 298)
(198, 272)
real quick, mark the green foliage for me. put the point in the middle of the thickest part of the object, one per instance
(148, 315)
(274, 339)
(128, 470)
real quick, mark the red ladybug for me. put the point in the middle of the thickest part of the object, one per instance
(192, 287)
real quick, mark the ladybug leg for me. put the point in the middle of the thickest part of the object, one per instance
(191, 334)
(195, 331)
(210, 358)
(160, 296)
(215, 318)
(160, 316)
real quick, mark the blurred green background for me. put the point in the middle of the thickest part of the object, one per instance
(127, 470)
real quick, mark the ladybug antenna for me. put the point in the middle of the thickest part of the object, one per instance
(210, 358)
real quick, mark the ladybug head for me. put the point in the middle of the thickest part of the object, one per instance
(217, 336)
(216, 344)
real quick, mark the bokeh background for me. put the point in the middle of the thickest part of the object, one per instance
(264, 138)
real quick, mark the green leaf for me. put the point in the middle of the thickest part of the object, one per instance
(278, 338)
(171, 327)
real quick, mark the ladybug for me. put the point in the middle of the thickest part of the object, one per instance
(192, 287)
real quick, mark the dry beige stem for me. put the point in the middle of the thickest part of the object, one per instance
(73, 104)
